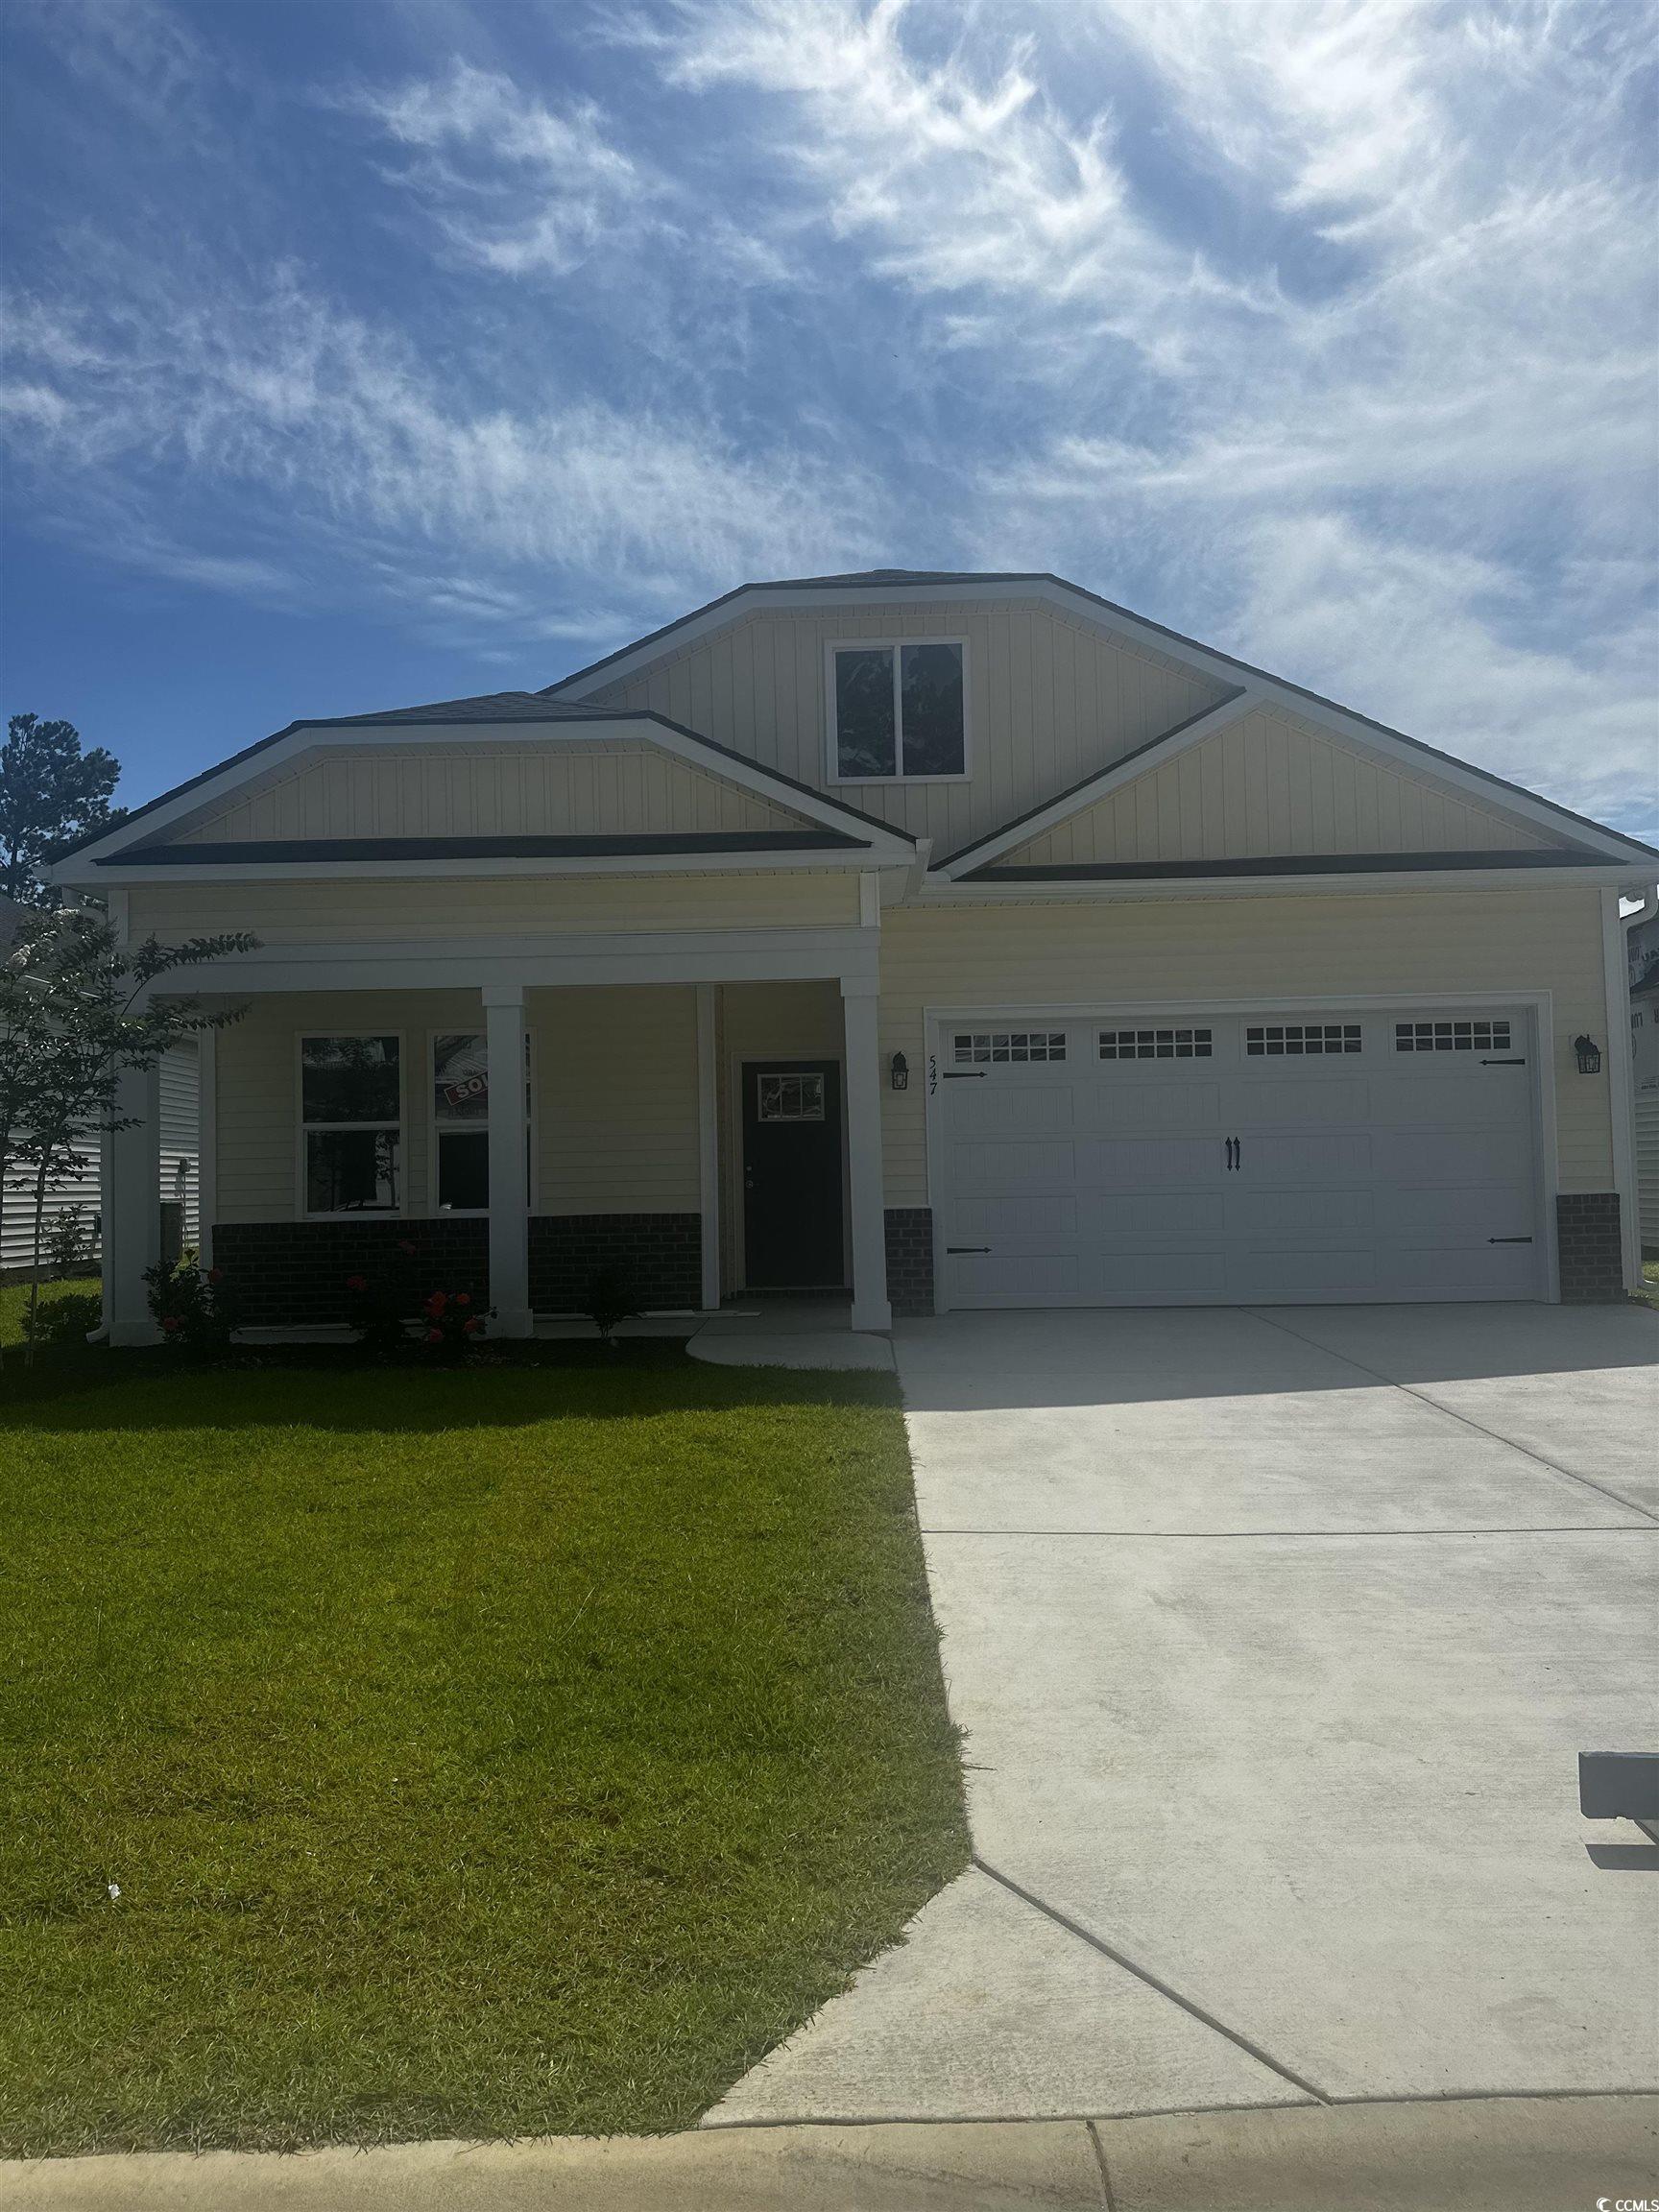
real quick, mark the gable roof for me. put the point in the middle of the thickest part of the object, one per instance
(900, 586)
(820, 823)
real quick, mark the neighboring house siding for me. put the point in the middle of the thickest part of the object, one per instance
(572, 786)
(179, 1135)
(322, 911)
(1271, 784)
(180, 1178)
(1648, 1169)
(1204, 950)
(1050, 701)
(614, 1095)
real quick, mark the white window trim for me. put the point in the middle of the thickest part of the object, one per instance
(893, 647)
(303, 1128)
(474, 1128)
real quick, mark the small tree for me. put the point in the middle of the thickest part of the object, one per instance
(50, 791)
(76, 1011)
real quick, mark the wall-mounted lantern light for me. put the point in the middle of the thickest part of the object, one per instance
(1589, 1055)
(899, 1076)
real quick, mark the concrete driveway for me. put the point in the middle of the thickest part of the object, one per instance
(1274, 1635)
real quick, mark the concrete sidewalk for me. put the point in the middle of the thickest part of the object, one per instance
(1535, 2155)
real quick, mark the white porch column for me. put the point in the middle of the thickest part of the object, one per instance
(132, 1206)
(709, 1143)
(859, 1005)
(509, 1179)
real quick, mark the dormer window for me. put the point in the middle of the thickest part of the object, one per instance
(898, 713)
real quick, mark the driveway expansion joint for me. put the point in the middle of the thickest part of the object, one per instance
(1153, 1982)
(1628, 1505)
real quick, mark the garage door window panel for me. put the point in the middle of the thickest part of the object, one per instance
(1007, 1047)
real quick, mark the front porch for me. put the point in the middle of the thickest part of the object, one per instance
(665, 1135)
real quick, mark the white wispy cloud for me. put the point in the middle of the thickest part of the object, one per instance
(514, 183)
(1367, 464)
(330, 434)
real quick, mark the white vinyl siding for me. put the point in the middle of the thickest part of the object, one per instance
(180, 1171)
(1202, 952)
(1050, 700)
(450, 909)
(571, 788)
(1648, 1168)
(1271, 785)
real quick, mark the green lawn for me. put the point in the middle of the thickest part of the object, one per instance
(1649, 1290)
(477, 1753)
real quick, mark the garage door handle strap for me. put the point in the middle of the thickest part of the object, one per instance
(1508, 1239)
(1503, 1063)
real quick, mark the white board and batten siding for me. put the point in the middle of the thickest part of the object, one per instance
(1343, 1154)
(180, 1168)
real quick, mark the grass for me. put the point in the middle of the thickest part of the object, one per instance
(1649, 1290)
(15, 1302)
(481, 1753)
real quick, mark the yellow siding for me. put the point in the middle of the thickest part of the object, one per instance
(327, 910)
(1051, 699)
(614, 1095)
(616, 1086)
(575, 787)
(756, 1020)
(1271, 784)
(1202, 950)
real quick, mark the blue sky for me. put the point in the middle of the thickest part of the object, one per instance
(358, 354)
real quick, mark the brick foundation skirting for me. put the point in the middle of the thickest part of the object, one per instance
(1592, 1257)
(659, 1256)
(289, 1273)
(910, 1259)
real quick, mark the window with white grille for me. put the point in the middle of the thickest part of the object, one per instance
(1009, 1044)
(1277, 1040)
(1451, 1036)
(1155, 1045)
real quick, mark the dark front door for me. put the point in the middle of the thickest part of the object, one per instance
(792, 1175)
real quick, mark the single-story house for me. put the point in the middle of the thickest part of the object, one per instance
(79, 1191)
(953, 940)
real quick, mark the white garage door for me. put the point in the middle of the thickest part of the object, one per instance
(1239, 1159)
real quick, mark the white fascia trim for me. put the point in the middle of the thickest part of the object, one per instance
(1141, 762)
(749, 776)
(1135, 630)
(940, 892)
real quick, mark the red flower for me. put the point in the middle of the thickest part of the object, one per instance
(469, 1327)
(436, 1304)
(169, 1322)
(434, 1336)
(215, 1274)
(356, 1283)
(405, 1247)
(463, 1298)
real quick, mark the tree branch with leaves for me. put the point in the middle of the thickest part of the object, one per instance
(51, 792)
(79, 1009)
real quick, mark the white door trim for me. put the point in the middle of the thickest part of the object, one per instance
(1537, 1005)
